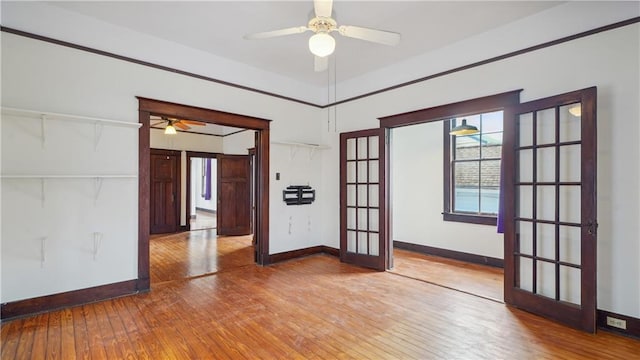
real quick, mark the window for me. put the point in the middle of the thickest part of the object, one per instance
(472, 169)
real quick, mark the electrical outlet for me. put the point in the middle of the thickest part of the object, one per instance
(618, 323)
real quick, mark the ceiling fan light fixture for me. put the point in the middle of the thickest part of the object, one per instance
(169, 130)
(464, 129)
(576, 110)
(322, 44)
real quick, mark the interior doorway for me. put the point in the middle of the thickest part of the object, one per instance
(202, 191)
(149, 107)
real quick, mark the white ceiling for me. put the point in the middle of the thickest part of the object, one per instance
(217, 27)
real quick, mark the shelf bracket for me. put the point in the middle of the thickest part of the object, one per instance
(42, 191)
(43, 119)
(97, 242)
(43, 241)
(97, 134)
(97, 187)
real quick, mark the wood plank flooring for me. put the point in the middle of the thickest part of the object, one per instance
(310, 308)
(195, 253)
(481, 280)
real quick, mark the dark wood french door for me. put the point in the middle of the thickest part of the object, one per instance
(165, 187)
(234, 195)
(363, 227)
(550, 212)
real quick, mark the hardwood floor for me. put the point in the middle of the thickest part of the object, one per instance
(309, 308)
(480, 280)
(196, 253)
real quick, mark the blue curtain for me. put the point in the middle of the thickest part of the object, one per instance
(500, 222)
(207, 179)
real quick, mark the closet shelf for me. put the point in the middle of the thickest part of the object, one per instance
(304, 145)
(84, 176)
(57, 116)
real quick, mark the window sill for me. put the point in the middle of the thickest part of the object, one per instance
(470, 219)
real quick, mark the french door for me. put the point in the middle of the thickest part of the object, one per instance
(550, 213)
(363, 228)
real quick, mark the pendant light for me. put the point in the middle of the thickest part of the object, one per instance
(170, 130)
(464, 129)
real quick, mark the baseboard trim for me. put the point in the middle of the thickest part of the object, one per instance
(450, 254)
(33, 306)
(633, 324)
(294, 254)
(205, 210)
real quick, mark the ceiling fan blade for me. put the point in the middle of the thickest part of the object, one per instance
(323, 8)
(320, 63)
(181, 126)
(193, 122)
(373, 35)
(274, 33)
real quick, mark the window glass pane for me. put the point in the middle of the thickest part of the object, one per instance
(524, 237)
(524, 199)
(373, 171)
(525, 129)
(466, 190)
(570, 284)
(490, 186)
(546, 203)
(492, 122)
(363, 148)
(351, 241)
(362, 243)
(492, 146)
(525, 273)
(570, 118)
(546, 241)
(362, 195)
(351, 218)
(525, 165)
(546, 161)
(373, 147)
(570, 159)
(363, 220)
(373, 195)
(374, 245)
(374, 217)
(362, 171)
(570, 204)
(351, 195)
(570, 238)
(546, 279)
(546, 126)
(351, 149)
(351, 172)
(467, 147)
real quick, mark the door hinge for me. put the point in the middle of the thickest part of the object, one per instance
(592, 227)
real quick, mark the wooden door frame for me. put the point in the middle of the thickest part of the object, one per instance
(177, 154)
(193, 154)
(433, 114)
(146, 107)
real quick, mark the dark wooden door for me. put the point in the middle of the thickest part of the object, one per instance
(550, 215)
(234, 195)
(165, 185)
(363, 229)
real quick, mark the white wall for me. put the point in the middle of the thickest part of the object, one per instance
(239, 143)
(416, 176)
(554, 70)
(47, 77)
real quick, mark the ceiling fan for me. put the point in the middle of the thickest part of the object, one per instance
(322, 44)
(173, 123)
